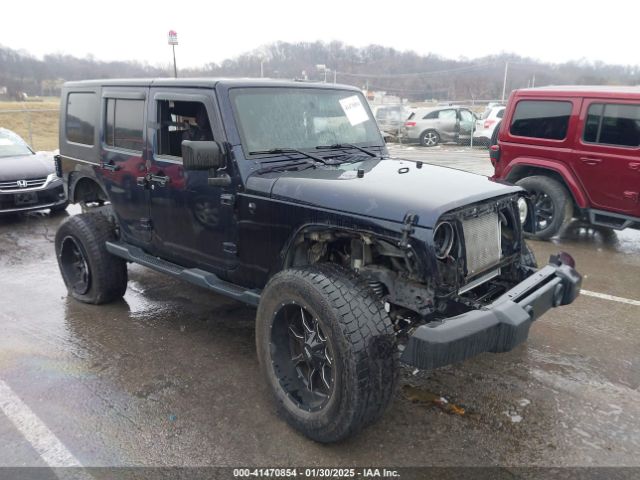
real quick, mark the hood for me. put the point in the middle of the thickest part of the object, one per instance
(388, 190)
(24, 167)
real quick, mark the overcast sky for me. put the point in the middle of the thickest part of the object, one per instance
(211, 31)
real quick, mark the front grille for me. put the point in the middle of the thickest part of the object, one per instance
(17, 185)
(482, 241)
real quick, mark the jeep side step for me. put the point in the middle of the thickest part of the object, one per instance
(208, 280)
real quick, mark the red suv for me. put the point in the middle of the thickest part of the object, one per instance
(576, 149)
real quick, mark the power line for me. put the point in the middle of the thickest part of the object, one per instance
(418, 74)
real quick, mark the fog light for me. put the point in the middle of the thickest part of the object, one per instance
(523, 210)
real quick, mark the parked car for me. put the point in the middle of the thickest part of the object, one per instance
(431, 126)
(576, 149)
(390, 118)
(486, 125)
(28, 180)
(354, 260)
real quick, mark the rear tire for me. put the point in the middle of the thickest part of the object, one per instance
(353, 365)
(430, 138)
(90, 272)
(552, 203)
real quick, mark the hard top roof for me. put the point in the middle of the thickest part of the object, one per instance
(583, 90)
(205, 83)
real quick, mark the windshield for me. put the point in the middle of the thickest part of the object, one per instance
(12, 145)
(302, 118)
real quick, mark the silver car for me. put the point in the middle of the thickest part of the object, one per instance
(431, 126)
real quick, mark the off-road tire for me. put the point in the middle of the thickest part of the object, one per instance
(86, 234)
(560, 198)
(427, 135)
(364, 350)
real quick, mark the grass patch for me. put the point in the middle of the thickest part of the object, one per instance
(43, 117)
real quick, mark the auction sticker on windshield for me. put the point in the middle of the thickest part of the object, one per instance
(354, 110)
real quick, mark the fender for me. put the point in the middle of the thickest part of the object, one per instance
(78, 176)
(560, 168)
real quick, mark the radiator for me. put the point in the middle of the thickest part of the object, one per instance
(482, 241)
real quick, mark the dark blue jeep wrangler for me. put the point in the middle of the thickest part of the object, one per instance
(282, 195)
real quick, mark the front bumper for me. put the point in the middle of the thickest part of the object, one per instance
(500, 326)
(52, 195)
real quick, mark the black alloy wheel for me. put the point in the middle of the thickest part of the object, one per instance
(302, 357)
(543, 208)
(552, 204)
(74, 266)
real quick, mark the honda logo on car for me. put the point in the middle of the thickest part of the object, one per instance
(22, 183)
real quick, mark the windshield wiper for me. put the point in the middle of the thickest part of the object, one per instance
(336, 146)
(299, 165)
(276, 151)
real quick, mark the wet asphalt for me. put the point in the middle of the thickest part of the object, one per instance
(169, 375)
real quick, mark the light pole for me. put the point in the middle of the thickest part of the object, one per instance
(504, 82)
(173, 41)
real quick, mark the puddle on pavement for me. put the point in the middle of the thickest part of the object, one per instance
(581, 233)
(423, 397)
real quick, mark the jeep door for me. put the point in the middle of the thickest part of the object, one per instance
(123, 160)
(193, 222)
(607, 154)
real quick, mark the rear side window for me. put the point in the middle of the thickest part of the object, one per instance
(447, 115)
(541, 119)
(500, 113)
(613, 124)
(431, 115)
(81, 117)
(124, 124)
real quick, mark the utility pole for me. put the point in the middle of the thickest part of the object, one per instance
(173, 41)
(504, 82)
(335, 76)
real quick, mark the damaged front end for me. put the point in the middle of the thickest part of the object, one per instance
(488, 289)
(466, 286)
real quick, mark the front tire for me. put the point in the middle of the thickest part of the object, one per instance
(327, 349)
(430, 138)
(552, 204)
(90, 272)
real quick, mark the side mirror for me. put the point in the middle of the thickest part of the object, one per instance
(199, 155)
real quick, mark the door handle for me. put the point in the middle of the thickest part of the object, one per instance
(112, 167)
(161, 180)
(634, 166)
(590, 161)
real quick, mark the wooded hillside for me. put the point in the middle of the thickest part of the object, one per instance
(407, 74)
